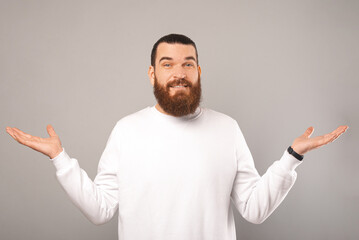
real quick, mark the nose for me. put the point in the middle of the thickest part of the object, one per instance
(179, 74)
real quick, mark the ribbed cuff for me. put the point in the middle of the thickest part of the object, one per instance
(61, 161)
(289, 162)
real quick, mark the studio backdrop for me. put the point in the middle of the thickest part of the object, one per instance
(276, 67)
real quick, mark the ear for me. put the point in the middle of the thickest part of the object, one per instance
(199, 70)
(151, 75)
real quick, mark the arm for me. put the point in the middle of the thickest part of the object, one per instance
(97, 199)
(257, 197)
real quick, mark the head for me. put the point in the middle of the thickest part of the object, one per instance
(175, 75)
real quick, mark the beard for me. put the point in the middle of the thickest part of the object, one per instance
(181, 103)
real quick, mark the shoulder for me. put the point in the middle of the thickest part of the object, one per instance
(133, 119)
(218, 117)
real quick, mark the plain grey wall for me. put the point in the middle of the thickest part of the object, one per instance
(277, 67)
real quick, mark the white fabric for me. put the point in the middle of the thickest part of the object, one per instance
(174, 177)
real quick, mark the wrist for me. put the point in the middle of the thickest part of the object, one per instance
(55, 154)
(295, 154)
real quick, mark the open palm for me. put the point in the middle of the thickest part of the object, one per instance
(304, 143)
(50, 146)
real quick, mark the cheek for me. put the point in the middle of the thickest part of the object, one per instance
(193, 73)
(162, 75)
(194, 77)
(162, 81)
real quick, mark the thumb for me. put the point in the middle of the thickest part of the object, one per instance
(308, 132)
(51, 131)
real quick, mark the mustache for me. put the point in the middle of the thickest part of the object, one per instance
(181, 81)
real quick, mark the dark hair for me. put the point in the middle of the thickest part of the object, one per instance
(172, 38)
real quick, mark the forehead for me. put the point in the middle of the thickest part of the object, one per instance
(176, 51)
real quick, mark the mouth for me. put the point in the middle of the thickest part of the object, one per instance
(179, 86)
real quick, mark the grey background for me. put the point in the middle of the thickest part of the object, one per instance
(277, 67)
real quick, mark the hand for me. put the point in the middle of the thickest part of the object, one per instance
(304, 144)
(51, 146)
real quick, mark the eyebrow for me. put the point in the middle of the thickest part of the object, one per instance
(169, 58)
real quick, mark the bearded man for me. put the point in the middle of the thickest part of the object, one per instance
(171, 170)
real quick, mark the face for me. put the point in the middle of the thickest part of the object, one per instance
(176, 79)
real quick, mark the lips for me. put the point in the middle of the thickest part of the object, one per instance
(178, 86)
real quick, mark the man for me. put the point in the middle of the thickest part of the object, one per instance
(172, 169)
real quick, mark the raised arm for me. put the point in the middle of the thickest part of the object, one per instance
(98, 199)
(255, 196)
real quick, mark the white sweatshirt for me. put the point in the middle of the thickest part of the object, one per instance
(172, 178)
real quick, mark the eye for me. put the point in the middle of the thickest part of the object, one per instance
(166, 64)
(189, 64)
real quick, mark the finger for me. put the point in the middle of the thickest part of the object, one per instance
(32, 142)
(339, 132)
(10, 132)
(340, 129)
(13, 133)
(322, 140)
(308, 132)
(51, 131)
(327, 138)
(21, 133)
(18, 136)
(344, 128)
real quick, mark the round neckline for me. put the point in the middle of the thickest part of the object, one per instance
(185, 118)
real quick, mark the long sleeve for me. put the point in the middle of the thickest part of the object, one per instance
(257, 197)
(98, 199)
